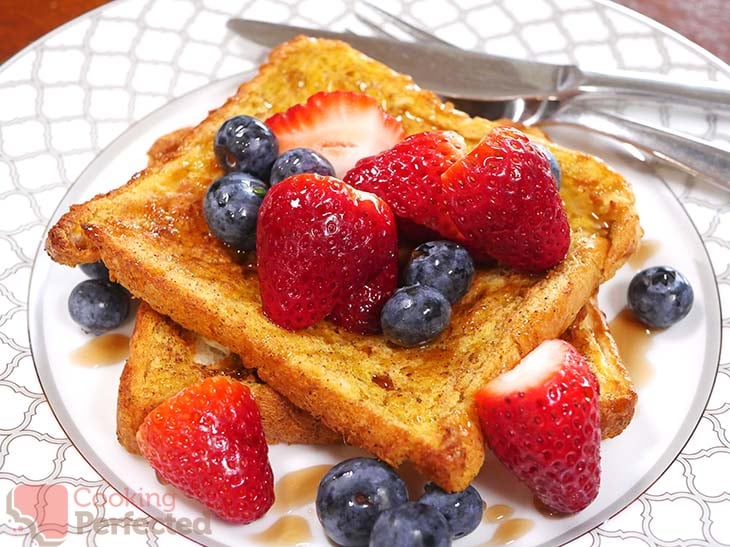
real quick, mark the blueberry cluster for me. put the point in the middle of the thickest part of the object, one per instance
(437, 276)
(362, 501)
(248, 152)
(98, 304)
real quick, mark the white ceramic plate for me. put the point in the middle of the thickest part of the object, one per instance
(670, 403)
(69, 95)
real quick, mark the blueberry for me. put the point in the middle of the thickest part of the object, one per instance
(98, 305)
(660, 296)
(299, 160)
(554, 165)
(463, 510)
(443, 265)
(412, 524)
(231, 208)
(415, 315)
(351, 496)
(95, 270)
(246, 144)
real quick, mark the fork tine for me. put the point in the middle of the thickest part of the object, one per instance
(414, 31)
(378, 29)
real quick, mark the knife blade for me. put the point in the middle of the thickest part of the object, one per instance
(470, 75)
(454, 72)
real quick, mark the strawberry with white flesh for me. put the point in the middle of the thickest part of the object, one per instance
(319, 242)
(343, 126)
(542, 421)
(504, 200)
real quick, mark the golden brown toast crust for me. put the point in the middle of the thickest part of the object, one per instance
(152, 236)
(591, 336)
(162, 361)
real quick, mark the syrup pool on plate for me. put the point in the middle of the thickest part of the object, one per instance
(298, 488)
(498, 512)
(647, 249)
(633, 339)
(106, 349)
(287, 530)
(510, 530)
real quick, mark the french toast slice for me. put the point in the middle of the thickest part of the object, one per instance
(164, 358)
(400, 404)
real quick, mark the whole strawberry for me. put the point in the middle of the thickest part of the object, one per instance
(541, 420)
(503, 199)
(208, 441)
(318, 242)
(408, 178)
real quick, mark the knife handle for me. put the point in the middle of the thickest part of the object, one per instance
(707, 94)
(695, 156)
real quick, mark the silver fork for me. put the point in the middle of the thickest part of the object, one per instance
(694, 156)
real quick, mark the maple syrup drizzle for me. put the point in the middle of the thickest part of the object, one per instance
(106, 349)
(647, 249)
(633, 339)
(510, 530)
(383, 380)
(497, 513)
(413, 479)
(288, 530)
(298, 488)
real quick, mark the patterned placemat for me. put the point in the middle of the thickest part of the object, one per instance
(67, 96)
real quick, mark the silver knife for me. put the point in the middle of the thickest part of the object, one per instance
(479, 76)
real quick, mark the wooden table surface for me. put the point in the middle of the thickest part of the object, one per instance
(703, 21)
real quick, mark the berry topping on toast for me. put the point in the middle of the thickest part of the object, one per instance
(503, 198)
(296, 161)
(360, 311)
(408, 178)
(318, 241)
(554, 165)
(343, 126)
(415, 315)
(208, 441)
(246, 144)
(231, 207)
(443, 265)
(541, 419)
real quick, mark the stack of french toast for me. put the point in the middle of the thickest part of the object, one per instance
(201, 312)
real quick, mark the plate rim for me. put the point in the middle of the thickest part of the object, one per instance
(117, 482)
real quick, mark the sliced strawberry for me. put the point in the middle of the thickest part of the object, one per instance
(209, 442)
(360, 311)
(542, 421)
(343, 126)
(408, 178)
(415, 233)
(503, 198)
(318, 241)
